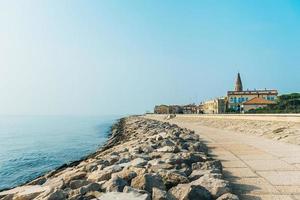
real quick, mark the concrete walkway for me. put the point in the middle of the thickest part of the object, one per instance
(257, 168)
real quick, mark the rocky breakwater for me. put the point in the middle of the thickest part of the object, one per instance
(143, 160)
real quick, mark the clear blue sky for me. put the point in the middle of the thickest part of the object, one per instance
(120, 57)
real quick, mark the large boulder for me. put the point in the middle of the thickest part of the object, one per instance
(189, 192)
(147, 182)
(173, 178)
(128, 189)
(123, 196)
(58, 194)
(115, 184)
(158, 194)
(74, 184)
(139, 162)
(216, 187)
(105, 174)
(228, 196)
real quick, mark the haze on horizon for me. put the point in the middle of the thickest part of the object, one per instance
(123, 57)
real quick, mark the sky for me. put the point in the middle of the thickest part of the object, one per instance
(123, 57)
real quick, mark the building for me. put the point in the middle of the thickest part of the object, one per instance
(255, 103)
(176, 109)
(215, 106)
(161, 109)
(239, 96)
(190, 109)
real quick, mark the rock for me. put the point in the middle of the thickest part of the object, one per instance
(168, 149)
(214, 165)
(123, 196)
(30, 192)
(74, 176)
(128, 189)
(38, 181)
(105, 174)
(74, 184)
(158, 167)
(173, 178)
(190, 157)
(115, 184)
(58, 194)
(138, 162)
(92, 187)
(7, 197)
(228, 196)
(167, 142)
(127, 174)
(91, 167)
(148, 182)
(172, 158)
(93, 195)
(113, 159)
(216, 187)
(189, 192)
(158, 194)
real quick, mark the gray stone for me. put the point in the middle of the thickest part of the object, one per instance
(123, 196)
(138, 162)
(115, 184)
(216, 187)
(148, 182)
(128, 189)
(74, 184)
(58, 194)
(189, 192)
(228, 196)
(158, 194)
(168, 149)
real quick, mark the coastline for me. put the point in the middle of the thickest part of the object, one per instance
(57, 184)
(110, 138)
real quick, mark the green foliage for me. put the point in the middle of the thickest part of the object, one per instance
(287, 103)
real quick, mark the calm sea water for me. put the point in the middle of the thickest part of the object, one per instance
(33, 145)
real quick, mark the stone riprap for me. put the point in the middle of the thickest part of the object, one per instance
(143, 159)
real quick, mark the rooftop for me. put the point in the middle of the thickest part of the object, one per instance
(258, 101)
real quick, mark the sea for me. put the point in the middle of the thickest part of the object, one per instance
(33, 145)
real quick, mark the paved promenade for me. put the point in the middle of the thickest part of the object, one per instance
(258, 168)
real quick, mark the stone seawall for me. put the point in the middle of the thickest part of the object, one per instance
(143, 159)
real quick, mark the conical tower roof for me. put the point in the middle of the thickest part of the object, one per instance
(238, 83)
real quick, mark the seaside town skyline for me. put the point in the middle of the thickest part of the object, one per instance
(238, 100)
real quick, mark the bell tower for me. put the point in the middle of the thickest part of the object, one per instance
(238, 84)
